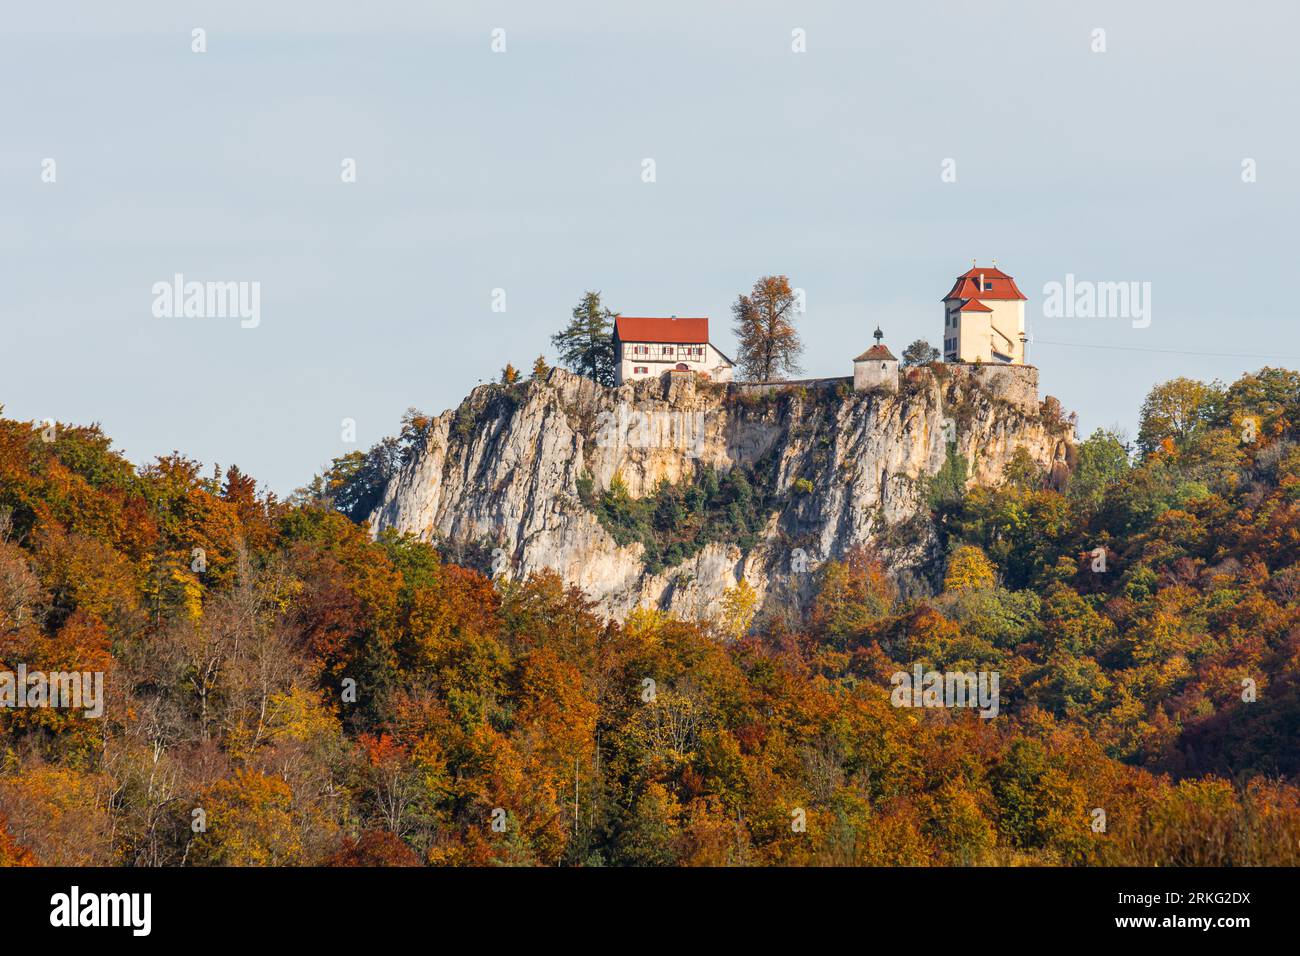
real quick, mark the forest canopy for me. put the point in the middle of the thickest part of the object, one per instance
(283, 689)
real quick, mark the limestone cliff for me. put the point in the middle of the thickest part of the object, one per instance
(507, 471)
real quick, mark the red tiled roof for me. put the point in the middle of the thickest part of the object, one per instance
(998, 285)
(672, 330)
(991, 272)
(974, 305)
(876, 352)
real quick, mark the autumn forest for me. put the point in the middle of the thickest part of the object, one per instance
(282, 689)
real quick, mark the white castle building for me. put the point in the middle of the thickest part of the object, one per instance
(645, 347)
(984, 318)
(983, 324)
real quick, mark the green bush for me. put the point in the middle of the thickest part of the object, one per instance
(675, 522)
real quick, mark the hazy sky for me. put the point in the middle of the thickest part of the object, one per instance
(523, 171)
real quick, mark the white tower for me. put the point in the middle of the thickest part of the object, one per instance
(984, 318)
(876, 367)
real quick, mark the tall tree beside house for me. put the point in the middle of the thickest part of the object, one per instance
(764, 326)
(586, 345)
(920, 352)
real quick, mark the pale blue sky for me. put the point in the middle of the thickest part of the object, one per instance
(523, 171)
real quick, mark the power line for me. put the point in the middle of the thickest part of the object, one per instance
(1136, 348)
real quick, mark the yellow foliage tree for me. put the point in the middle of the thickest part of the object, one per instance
(969, 570)
(250, 822)
(739, 605)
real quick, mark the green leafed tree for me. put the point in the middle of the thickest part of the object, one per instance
(354, 483)
(920, 352)
(586, 344)
(1103, 460)
(1174, 409)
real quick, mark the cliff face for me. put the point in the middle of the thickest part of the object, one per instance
(505, 472)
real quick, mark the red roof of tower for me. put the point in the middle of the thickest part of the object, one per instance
(997, 285)
(974, 305)
(876, 351)
(675, 331)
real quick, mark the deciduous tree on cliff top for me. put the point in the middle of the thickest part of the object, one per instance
(764, 326)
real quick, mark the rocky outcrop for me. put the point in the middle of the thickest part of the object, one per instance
(845, 468)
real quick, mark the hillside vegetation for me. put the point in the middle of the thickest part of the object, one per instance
(284, 690)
